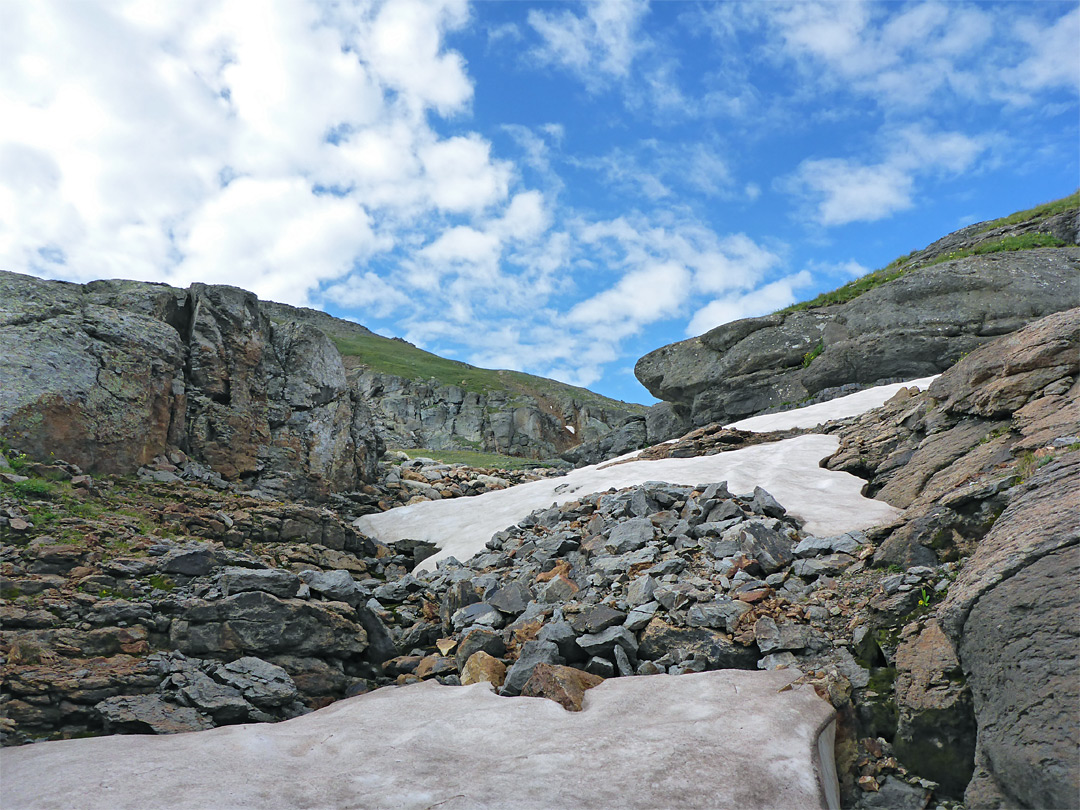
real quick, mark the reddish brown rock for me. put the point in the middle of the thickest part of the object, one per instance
(432, 665)
(565, 685)
(935, 736)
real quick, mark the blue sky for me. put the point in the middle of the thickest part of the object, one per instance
(552, 187)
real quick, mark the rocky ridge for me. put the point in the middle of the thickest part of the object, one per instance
(917, 324)
(419, 400)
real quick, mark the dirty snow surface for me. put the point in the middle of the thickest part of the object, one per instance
(829, 502)
(839, 408)
(716, 739)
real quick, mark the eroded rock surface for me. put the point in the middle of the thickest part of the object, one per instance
(914, 326)
(1014, 616)
(110, 375)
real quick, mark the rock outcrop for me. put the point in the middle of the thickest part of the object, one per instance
(914, 326)
(1014, 615)
(111, 374)
(986, 464)
(423, 413)
(420, 400)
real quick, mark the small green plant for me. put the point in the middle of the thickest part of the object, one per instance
(996, 433)
(924, 599)
(161, 582)
(1030, 462)
(1038, 212)
(812, 355)
(31, 488)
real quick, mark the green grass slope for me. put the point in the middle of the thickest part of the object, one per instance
(360, 346)
(1018, 231)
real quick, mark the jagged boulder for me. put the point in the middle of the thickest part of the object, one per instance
(99, 386)
(110, 375)
(916, 325)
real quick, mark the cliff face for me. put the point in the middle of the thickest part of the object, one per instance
(919, 323)
(110, 374)
(415, 413)
(418, 399)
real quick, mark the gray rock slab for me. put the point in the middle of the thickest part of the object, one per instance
(630, 535)
(715, 739)
(271, 580)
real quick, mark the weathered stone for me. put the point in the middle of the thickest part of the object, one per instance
(640, 591)
(478, 613)
(483, 667)
(640, 616)
(720, 613)
(260, 682)
(271, 580)
(605, 641)
(630, 535)
(765, 504)
(564, 637)
(433, 665)
(820, 546)
(194, 560)
(771, 637)
(557, 589)
(258, 623)
(893, 794)
(565, 685)
(936, 732)
(479, 640)
(757, 541)
(149, 713)
(600, 667)
(511, 599)
(661, 638)
(596, 618)
(220, 701)
(337, 585)
(532, 653)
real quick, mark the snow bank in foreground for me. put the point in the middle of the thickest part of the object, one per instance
(839, 408)
(716, 739)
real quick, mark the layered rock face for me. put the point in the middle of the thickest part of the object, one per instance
(986, 463)
(914, 326)
(418, 413)
(110, 374)
(420, 400)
